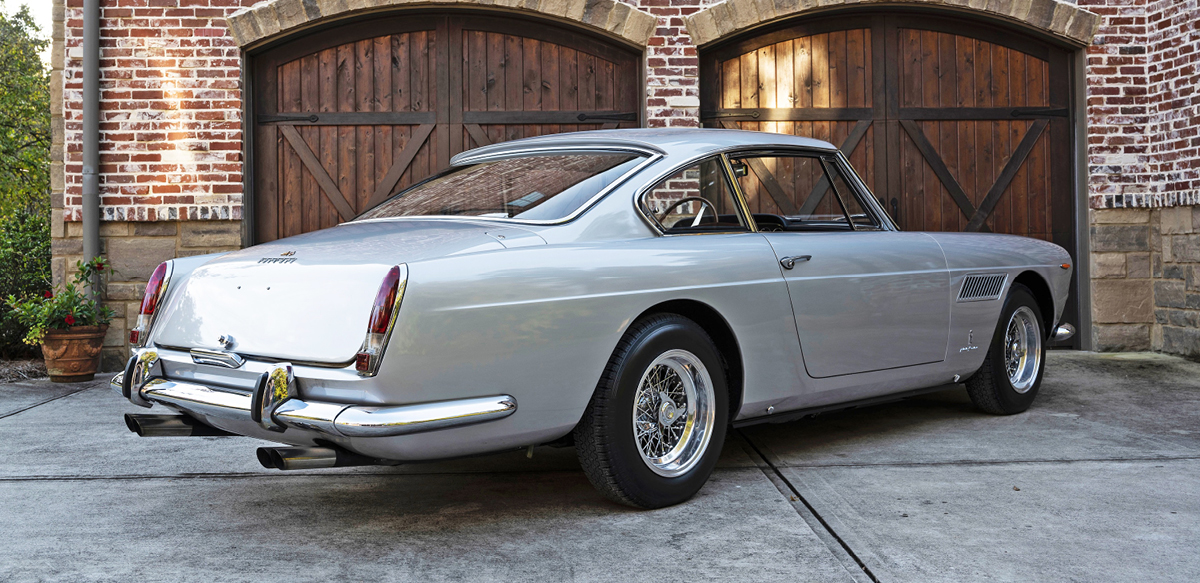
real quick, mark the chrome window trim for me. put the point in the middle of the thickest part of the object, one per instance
(695, 160)
(835, 156)
(885, 221)
(651, 156)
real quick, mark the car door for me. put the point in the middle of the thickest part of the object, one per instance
(865, 297)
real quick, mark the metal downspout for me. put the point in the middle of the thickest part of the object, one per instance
(91, 129)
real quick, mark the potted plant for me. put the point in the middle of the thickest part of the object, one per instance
(69, 325)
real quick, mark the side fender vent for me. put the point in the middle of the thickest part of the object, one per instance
(978, 288)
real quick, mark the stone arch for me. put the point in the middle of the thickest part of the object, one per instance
(1054, 18)
(271, 19)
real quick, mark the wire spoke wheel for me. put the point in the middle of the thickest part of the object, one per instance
(1022, 349)
(673, 413)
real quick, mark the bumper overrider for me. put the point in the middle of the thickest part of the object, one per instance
(275, 405)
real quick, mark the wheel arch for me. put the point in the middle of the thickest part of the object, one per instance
(717, 328)
(1041, 294)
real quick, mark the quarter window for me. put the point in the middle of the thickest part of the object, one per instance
(799, 193)
(697, 199)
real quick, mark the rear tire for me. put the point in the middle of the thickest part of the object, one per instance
(1011, 375)
(654, 428)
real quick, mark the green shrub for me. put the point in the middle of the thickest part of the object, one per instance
(24, 270)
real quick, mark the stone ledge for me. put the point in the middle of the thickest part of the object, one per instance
(1054, 17)
(271, 18)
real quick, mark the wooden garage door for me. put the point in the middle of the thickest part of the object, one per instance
(955, 126)
(346, 117)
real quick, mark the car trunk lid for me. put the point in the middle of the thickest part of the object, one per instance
(307, 298)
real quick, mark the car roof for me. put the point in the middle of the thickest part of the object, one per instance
(685, 142)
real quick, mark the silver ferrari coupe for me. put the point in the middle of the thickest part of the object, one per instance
(633, 293)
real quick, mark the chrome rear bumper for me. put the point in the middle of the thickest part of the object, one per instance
(281, 408)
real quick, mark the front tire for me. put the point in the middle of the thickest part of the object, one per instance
(654, 428)
(1011, 375)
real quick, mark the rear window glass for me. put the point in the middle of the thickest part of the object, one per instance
(537, 188)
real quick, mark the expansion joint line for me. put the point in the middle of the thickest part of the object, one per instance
(825, 524)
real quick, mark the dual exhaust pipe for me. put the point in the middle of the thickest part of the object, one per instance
(279, 458)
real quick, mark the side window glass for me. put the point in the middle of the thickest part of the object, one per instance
(854, 208)
(799, 193)
(697, 199)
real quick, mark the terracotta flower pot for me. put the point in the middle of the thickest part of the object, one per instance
(73, 355)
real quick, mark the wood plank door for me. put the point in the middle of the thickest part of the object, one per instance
(954, 125)
(346, 117)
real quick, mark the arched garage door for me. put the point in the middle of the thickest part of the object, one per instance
(955, 126)
(344, 117)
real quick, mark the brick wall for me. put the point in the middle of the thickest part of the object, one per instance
(172, 132)
(1144, 175)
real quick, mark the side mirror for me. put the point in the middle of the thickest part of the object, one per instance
(739, 168)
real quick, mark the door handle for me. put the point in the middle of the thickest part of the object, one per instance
(790, 262)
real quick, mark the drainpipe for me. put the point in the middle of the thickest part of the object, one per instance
(91, 129)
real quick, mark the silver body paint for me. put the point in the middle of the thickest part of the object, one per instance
(501, 307)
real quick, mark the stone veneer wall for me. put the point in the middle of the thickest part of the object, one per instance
(1146, 279)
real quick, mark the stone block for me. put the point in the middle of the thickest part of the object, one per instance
(113, 358)
(1186, 248)
(1120, 238)
(134, 258)
(1169, 294)
(553, 7)
(125, 291)
(291, 13)
(1041, 13)
(1193, 302)
(575, 9)
(745, 13)
(1122, 301)
(1083, 27)
(1173, 271)
(74, 229)
(1121, 216)
(265, 20)
(702, 27)
(58, 271)
(1193, 277)
(766, 9)
(242, 28)
(115, 229)
(58, 228)
(210, 233)
(596, 12)
(1161, 316)
(1176, 220)
(116, 336)
(158, 229)
(1122, 337)
(617, 18)
(58, 177)
(1138, 265)
(1107, 265)
(640, 27)
(1182, 341)
(70, 246)
(1196, 218)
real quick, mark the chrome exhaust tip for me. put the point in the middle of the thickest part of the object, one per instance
(170, 426)
(309, 458)
(1064, 332)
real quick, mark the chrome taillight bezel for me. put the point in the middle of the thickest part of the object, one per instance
(370, 355)
(146, 322)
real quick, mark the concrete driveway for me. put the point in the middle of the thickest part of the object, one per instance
(1099, 481)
